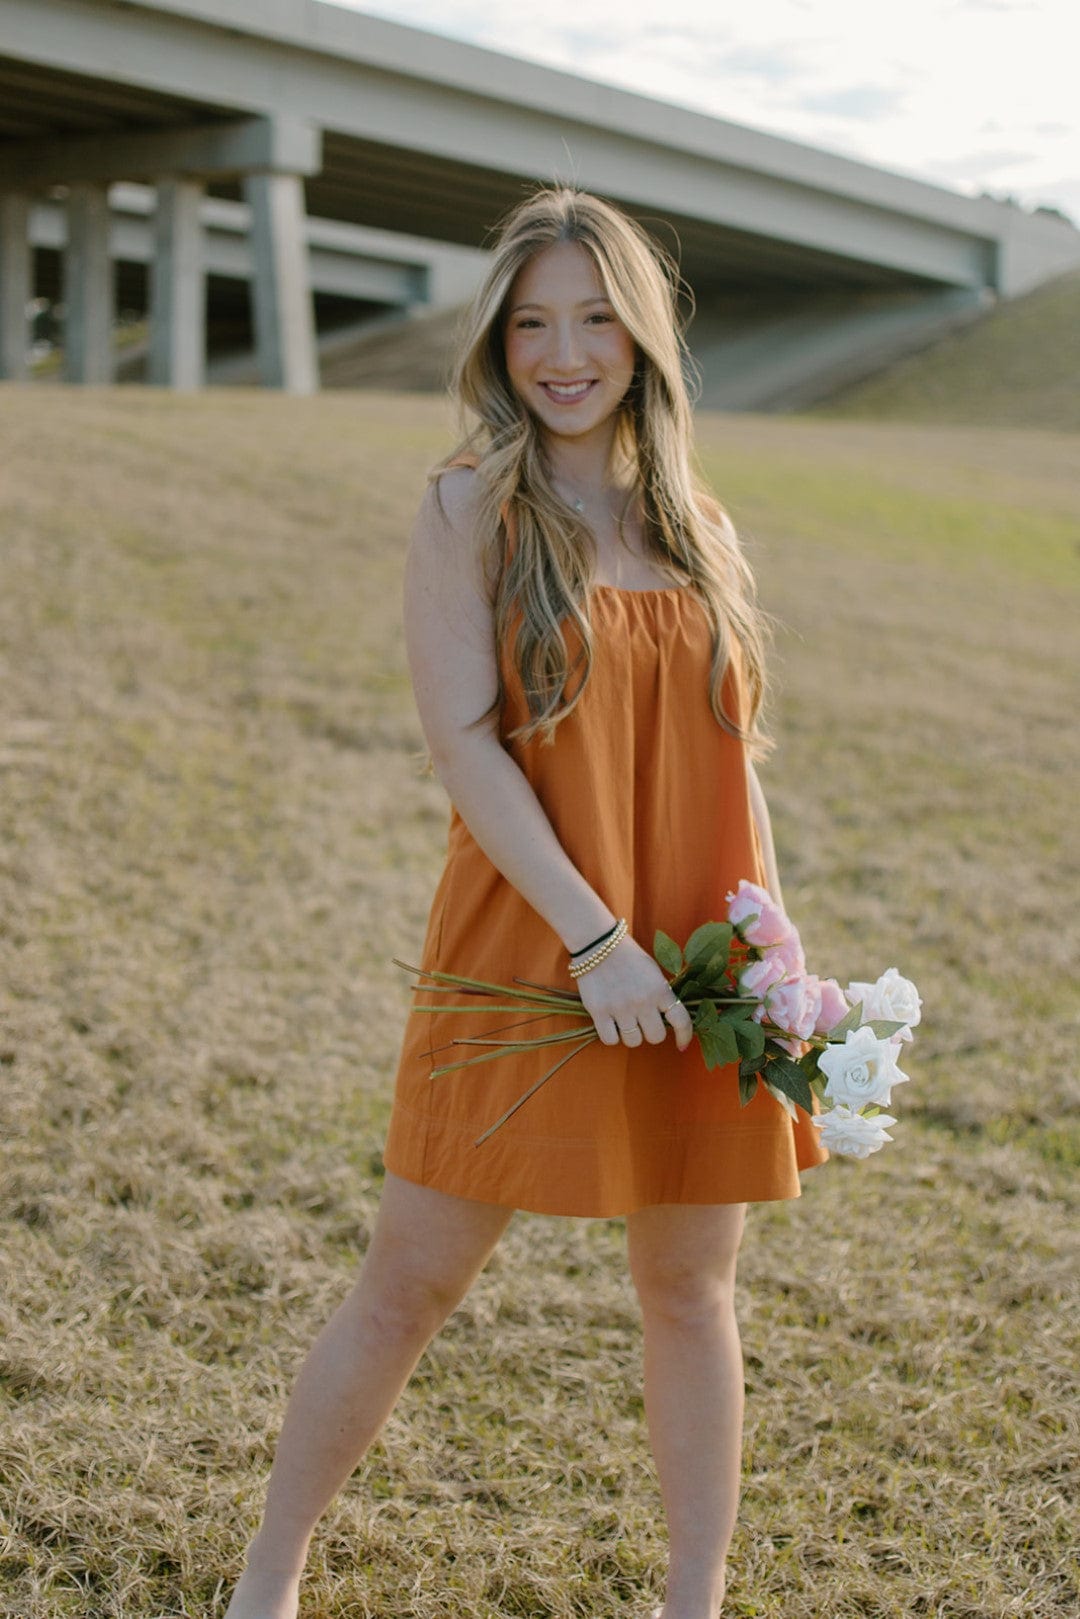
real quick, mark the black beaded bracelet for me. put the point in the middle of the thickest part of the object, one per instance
(600, 940)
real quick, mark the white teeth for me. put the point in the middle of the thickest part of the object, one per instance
(568, 390)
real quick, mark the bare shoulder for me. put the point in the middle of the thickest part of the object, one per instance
(717, 513)
(445, 534)
(445, 588)
(449, 505)
(457, 491)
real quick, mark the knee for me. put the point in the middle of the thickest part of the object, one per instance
(404, 1305)
(684, 1297)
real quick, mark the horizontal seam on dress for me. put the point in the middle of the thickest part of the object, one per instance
(591, 1140)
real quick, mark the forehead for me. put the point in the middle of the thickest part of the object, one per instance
(562, 273)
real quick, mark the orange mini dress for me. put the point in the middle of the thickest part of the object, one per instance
(649, 797)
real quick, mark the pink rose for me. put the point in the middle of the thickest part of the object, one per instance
(794, 1005)
(834, 1006)
(761, 975)
(770, 924)
(789, 952)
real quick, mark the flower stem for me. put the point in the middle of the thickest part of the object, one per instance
(513, 1049)
(491, 1129)
(503, 1028)
(543, 1008)
(471, 983)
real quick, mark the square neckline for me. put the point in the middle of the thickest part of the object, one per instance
(648, 590)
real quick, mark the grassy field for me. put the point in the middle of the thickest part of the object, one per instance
(213, 837)
(1017, 366)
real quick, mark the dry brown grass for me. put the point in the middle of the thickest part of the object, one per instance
(214, 838)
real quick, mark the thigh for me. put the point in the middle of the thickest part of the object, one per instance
(428, 1239)
(684, 1246)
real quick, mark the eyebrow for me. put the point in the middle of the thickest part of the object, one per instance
(601, 298)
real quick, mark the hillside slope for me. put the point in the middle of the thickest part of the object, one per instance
(410, 356)
(1017, 367)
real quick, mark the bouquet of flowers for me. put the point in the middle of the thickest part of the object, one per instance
(753, 1003)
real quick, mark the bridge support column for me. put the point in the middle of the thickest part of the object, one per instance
(177, 356)
(15, 283)
(281, 287)
(88, 286)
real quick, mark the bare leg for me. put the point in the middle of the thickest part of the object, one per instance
(683, 1259)
(425, 1252)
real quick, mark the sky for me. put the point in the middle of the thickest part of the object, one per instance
(975, 95)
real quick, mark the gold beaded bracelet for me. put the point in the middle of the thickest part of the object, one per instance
(577, 968)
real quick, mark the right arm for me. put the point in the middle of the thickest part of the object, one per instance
(453, 660)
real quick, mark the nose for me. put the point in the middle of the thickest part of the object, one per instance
(566, 352)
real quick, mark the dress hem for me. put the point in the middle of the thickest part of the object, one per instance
(542, 1206)
(711, 1168)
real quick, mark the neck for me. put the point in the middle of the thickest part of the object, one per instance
(589, 469)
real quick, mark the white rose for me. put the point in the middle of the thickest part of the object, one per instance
(891, 997)
(861, 1070)
(850, 1133)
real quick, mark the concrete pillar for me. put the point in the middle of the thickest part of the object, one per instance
(16, 287)
(178, 287)
(281, 286)
(88, 286)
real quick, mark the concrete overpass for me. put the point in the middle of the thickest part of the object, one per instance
(320, 125)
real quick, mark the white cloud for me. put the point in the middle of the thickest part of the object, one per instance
(914, 88)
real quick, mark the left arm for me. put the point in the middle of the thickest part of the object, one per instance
(764, 825)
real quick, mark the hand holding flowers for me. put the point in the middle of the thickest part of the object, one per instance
(753, 1003)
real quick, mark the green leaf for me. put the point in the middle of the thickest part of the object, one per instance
(718, 1043)
(883, 1027)
(729, 1046)
(747, 1088)
(788, 1077)
(716, 968)
(709, 940)
(851, 1021)
(706, 1015)
(750, 1035)
(667, 952)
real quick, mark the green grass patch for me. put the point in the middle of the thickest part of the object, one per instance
(1016, 366)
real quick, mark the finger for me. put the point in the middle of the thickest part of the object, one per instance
(678, 1019)
(653, 1026)
(608, 1030)
(631, 1034)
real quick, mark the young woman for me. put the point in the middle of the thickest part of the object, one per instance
(587, 660)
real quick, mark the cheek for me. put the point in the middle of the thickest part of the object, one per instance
(513, 350)
(622, 357)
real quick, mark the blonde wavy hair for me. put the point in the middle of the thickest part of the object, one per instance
(540, 584)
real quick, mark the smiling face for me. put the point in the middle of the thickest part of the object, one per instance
(569, 358)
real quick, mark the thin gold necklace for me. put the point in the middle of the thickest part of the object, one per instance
(577, 503)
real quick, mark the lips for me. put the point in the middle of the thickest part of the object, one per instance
(568, 393)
